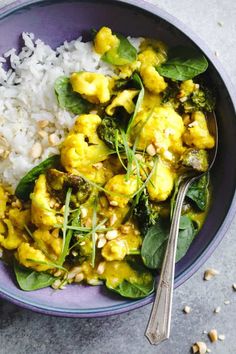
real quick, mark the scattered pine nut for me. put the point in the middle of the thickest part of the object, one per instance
(221, 337)
(226, 302)
(101, 242)
(216, 53)
(53, 139)
(187, 309)
(43, 123)
(213, 335)
(113, 203)
(199, 347)
(210, 273)
(36, 150)
(111, 235)
(234, 286)
(42, 133)
(84, 212)
(220, 23)
(101, 268)
(217, 309)
(79, 277)
(151, 150)
(208, 350)
(113, 219)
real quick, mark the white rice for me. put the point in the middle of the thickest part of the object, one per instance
(27, 96)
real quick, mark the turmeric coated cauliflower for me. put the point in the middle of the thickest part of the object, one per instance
(42, 214)
(123, 99)
(13, 238)
(105, 40)
(94, 87)
(82, 149)
(115, 250)
(161, 182)
(28, 256)
(197, 133)
(119, 190)
(163, 128)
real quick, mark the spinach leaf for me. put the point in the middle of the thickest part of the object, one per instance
(155, 242)
(68, 99)
(184, 63)
(154, 245)
(187, 232)
(198, 192)
(135, 287)
(134, 290)
(123, 54)
(26, 184)
(28, 279)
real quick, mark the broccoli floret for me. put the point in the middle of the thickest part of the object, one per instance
(107, 133)
(145, 214)
(196, 159)
(59, 182)
(202, 99)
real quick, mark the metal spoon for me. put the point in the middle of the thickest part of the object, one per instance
(158, 328)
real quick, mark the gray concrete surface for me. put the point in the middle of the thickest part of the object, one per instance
(22, 331)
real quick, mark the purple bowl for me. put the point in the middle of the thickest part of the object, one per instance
(58, 20)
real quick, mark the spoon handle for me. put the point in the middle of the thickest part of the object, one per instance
(158, 328)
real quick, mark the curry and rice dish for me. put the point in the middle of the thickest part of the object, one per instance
(97, 209)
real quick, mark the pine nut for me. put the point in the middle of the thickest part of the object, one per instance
(210, 273)
(113, 203)
(84, 212)
(42, 123)
(151, 150)
(101, 268)
(101, 242)
(213, 335)
(187, 309)
(111, 235)
(53, 139)
(36, 150)
(79, 277)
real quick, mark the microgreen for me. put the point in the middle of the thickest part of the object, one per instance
(94, 223)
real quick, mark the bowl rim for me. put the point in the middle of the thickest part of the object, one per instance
(198, 262)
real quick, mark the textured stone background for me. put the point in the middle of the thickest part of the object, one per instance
(22, 331)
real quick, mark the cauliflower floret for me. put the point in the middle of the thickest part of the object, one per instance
(152, 80)
(161, 182)
(187, 87)
(82, 149)
(14, 236)
(50, 241)
(87, 124)
(125, 71)
(149, 57)
(197, 133)
(94, 87)
(41, 212)
(121, 190)
(105, 40)
(19, 218)
(123, 99)
(163, 128)
(26, 252)
(115, 250)
(3, 201)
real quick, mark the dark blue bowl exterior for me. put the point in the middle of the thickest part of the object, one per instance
(56, 21)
